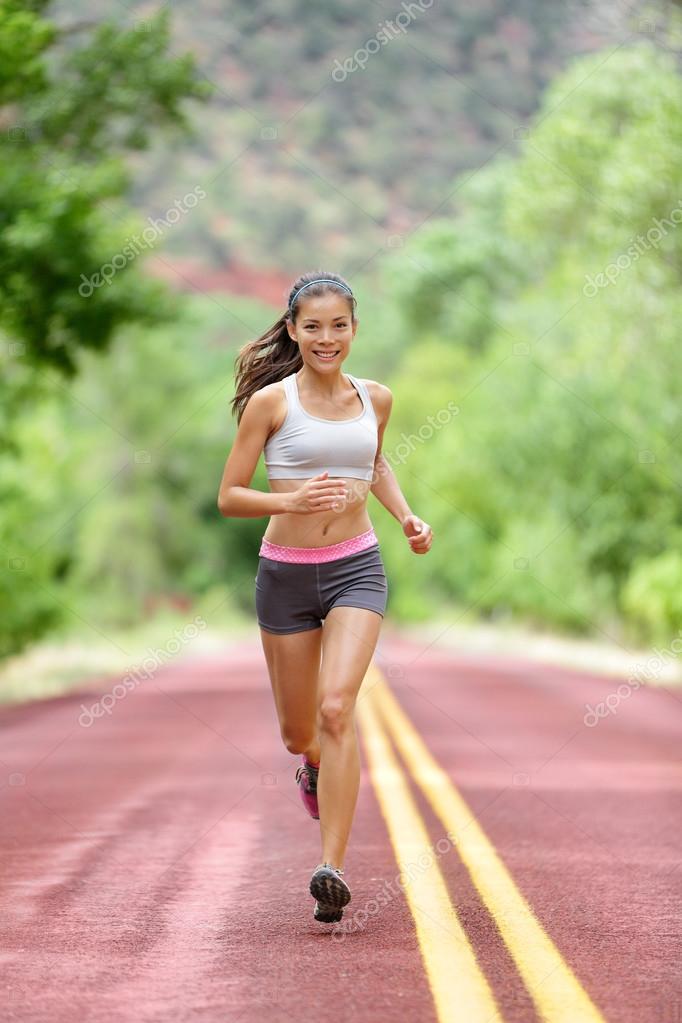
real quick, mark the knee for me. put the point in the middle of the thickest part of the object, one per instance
(297, 742)
(335, 716)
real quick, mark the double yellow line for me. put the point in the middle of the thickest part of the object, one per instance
(460, 989)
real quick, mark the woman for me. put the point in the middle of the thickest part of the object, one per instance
(321, 433)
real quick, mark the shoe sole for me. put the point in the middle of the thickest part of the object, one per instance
(327, 915)
(330, 891)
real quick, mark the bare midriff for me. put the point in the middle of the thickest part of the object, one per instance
(319, 529)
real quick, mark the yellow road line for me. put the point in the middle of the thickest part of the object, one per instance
(460, 990)
(556, 991)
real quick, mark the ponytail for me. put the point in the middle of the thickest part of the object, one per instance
(271, 357)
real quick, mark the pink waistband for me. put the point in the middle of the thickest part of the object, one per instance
(314, 555)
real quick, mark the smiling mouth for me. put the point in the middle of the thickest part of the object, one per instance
(327, 356)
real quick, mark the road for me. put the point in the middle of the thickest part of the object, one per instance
(512, 858)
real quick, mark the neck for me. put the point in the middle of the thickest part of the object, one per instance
(327, 385)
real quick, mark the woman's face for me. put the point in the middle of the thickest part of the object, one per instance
(323, 328)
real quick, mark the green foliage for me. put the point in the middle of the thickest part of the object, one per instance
(653, 595)
(56, 234)
(61, 177)
(554, 493)
(149, 441)
(450, 279)
(536, 417)
(109, 91)
(28, 495)
(588, 183)
(72, 106)
(24, 37)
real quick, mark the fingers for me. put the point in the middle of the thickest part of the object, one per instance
(421, 543)
(328, 488)
(328, 502)
(318, 484)
(325, 496)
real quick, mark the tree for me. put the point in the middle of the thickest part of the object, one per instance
(556, 485)
(74, 103)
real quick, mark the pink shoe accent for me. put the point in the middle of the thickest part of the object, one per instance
(316, 555)
(308, 796)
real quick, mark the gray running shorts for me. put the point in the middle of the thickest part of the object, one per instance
(292, 597)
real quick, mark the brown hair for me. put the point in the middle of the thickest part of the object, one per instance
(274, 355)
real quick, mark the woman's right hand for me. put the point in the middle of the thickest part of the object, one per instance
(319, 494)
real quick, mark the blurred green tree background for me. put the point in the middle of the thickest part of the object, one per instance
(528, 328)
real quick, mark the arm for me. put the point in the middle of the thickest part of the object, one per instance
(385, 486)
(387, 490)
(236, 498)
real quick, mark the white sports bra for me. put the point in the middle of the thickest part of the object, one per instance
(306, 445)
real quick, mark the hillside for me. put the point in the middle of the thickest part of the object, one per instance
(334, 128)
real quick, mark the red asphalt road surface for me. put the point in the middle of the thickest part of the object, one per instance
(155, 865)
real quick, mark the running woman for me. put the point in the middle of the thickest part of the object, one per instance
(321, 587)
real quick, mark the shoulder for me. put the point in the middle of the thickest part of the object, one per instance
(381, 395)
(269, 396)
(267, 403)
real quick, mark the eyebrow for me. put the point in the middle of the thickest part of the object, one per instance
(313, 319)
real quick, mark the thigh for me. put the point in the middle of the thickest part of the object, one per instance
(293, 662)
(348, 644)
(287, 596)
(355, 581)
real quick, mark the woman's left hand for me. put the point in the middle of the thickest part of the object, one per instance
(418, 532)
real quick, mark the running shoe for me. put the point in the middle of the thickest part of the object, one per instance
(326, 915)
(306, 779)
(331, 892)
